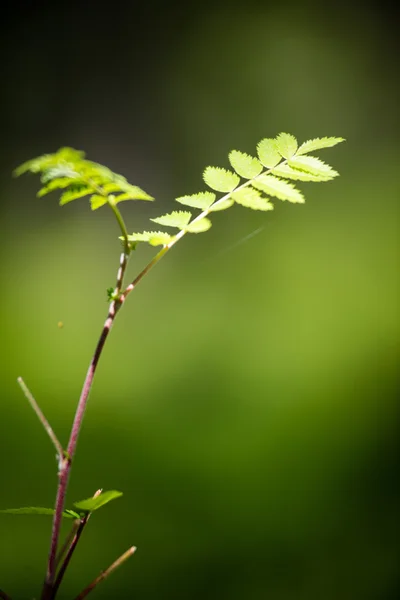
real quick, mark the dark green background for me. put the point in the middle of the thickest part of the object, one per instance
(246, 400)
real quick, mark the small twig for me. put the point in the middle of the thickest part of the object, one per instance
(72, 546)
(4, 596)
(106, 573)
(68, 541)
(42, 418)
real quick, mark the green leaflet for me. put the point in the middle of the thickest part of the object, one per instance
(178, 218)
(154, 238)
(312, 165)
(59, 183)
(39, 510)
(318, 144)
(58, 171)
(96, 201)
(131, 192)
(220, 180)
(246, 166)
(284, 170)
(75, 193)
(199, 226)
(94, 503)
(222, 204)
(268, 153)
(286, 144)
(202, 200)
(279, 188)
(251, 198)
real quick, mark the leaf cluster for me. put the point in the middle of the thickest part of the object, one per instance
(279, 161)
(68, 170)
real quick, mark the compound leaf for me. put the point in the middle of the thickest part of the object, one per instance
(313, 166)
(279, 188)
(68, 167)
(268, 153)
(220, 179)
(96, 502)
(202, 200)
(286, 144)
(246, 166)
(251, 198)
(178, 218)
(318, 144)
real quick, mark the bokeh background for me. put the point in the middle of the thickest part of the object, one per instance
(246, 400)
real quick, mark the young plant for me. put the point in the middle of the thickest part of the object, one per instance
(252, 183)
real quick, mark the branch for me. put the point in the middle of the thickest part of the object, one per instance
(106, 573)
(42, 418)
(68, 542)
(78, 532)
(67, 461)
(4, 596)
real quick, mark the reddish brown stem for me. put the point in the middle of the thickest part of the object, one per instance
(48, 591)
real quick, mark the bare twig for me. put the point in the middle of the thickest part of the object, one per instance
(106, 573)
(42, 418)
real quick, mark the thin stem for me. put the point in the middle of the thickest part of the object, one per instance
(66, 463)
(72, 546)
(68, 541)
(42, 418)
(121, 222)
(4, 596)
(106, 573)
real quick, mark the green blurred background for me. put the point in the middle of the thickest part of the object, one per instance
(246, 400)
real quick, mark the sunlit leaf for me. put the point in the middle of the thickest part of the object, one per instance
(286, 144)
(154, 238)
(178, 218)
(284, 170)
(318, 144)
(96, 201)
(74, 194)
(96, 502)
(56, 184)
(133, 193)
(202, 200)
(251, 198)
(279, 188)
(268, 153)
(222, 204)
(220, 180)
(199, 226)
(312, 165)
(246, 166)
(58, 171)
